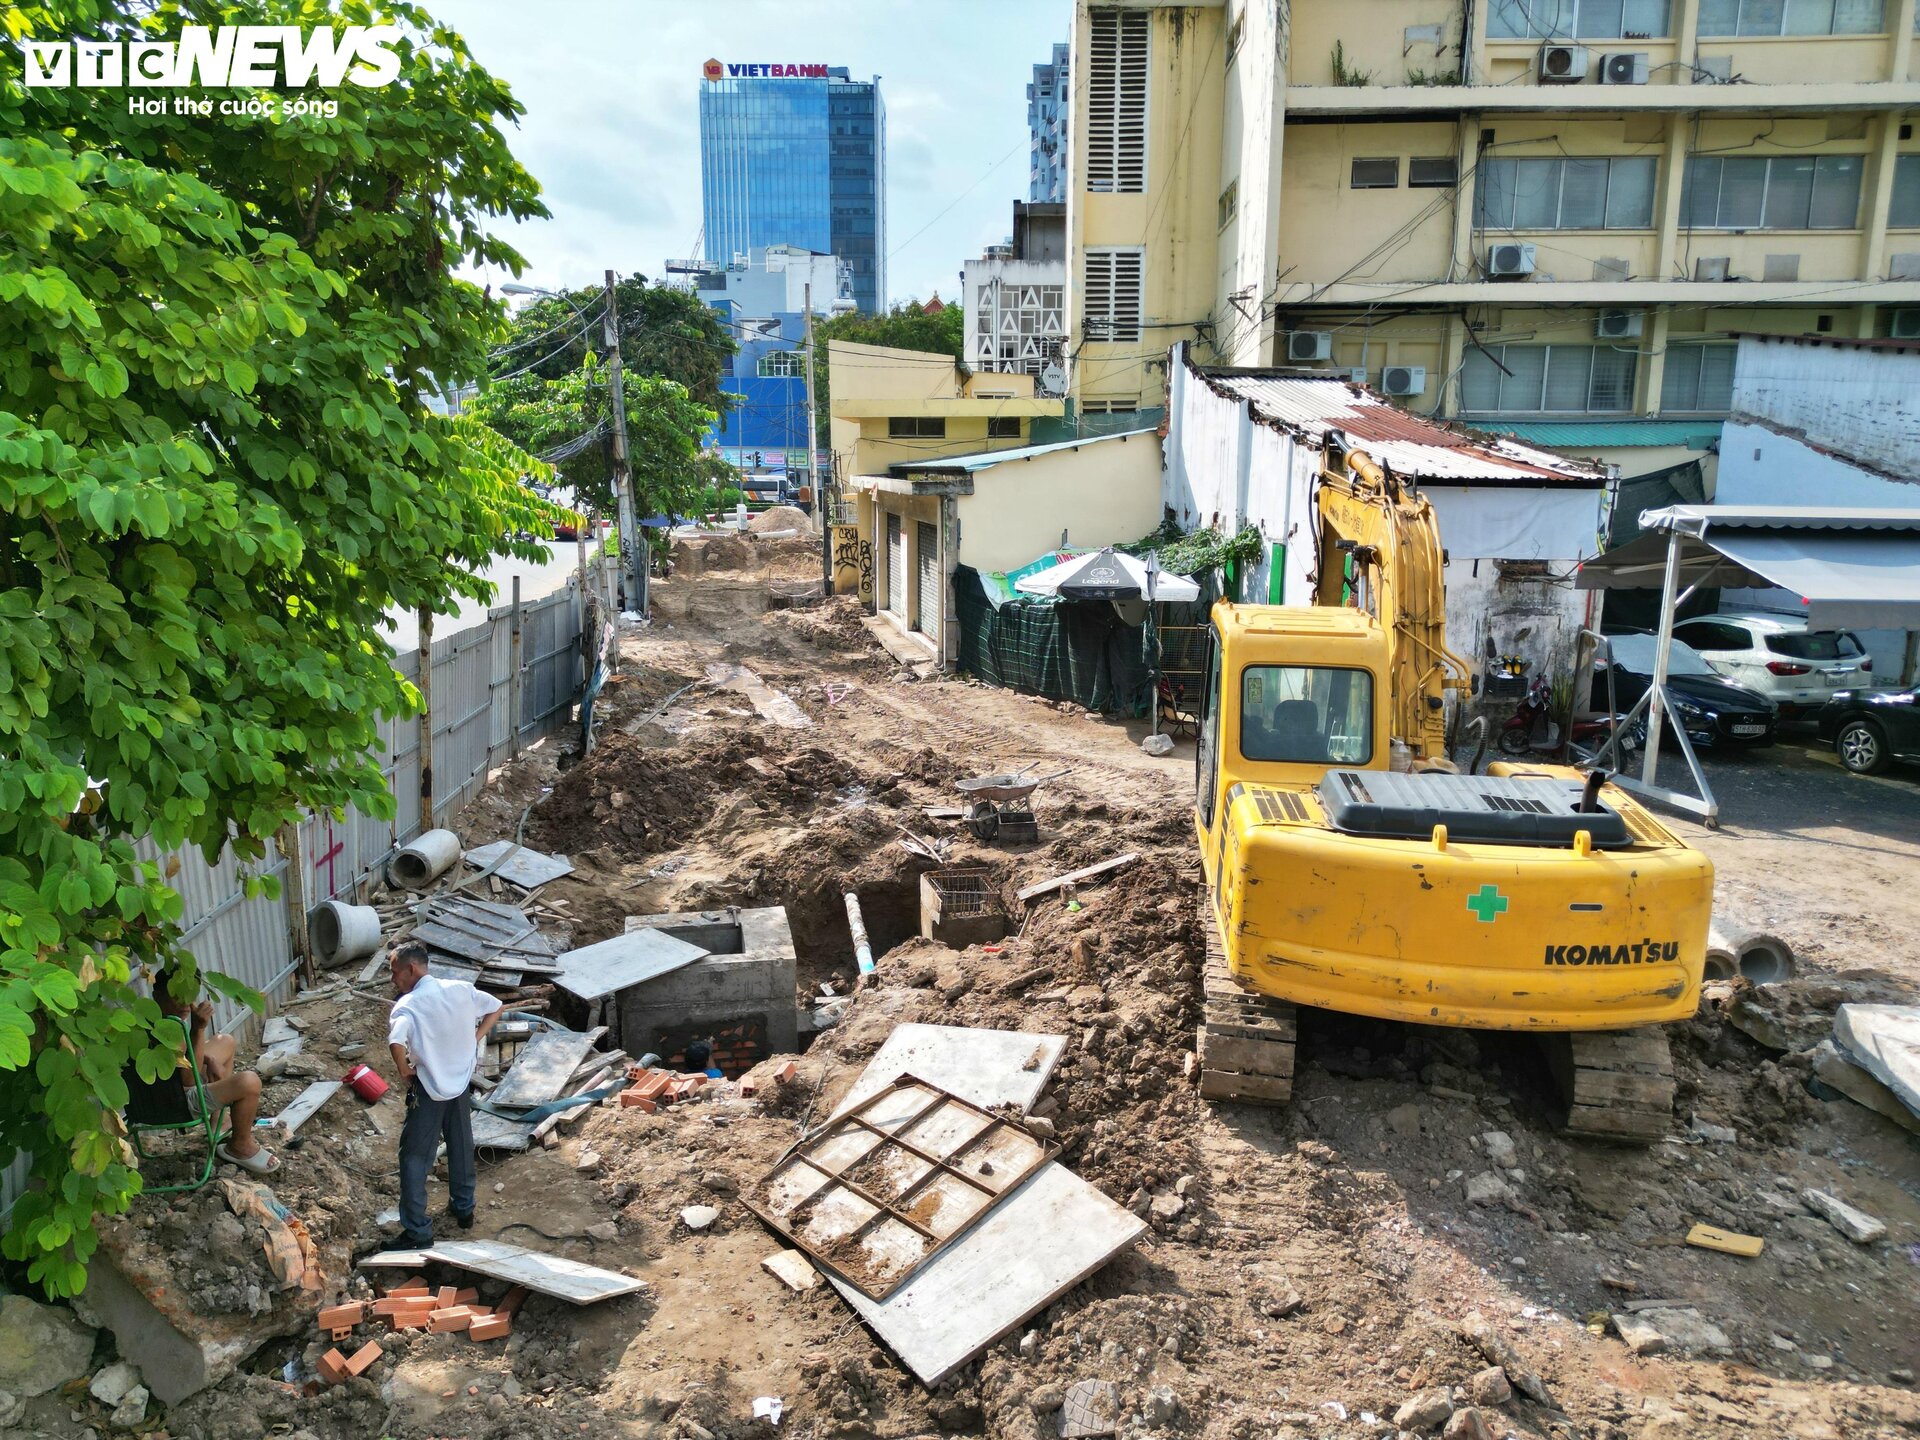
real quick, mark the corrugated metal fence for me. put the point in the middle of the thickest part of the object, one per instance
(494, 688)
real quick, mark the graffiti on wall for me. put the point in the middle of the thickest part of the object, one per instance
(852, 563)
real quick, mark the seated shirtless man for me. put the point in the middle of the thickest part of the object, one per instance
(237, 1090)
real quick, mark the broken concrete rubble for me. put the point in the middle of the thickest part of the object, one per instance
(1856, 1225)
(42, 1347)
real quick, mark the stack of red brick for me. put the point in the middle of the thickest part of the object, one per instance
(653, 1088)
(413, 1305)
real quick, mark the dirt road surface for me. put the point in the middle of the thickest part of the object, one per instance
(1309, 1271)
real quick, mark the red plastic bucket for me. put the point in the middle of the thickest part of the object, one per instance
(364, 1083)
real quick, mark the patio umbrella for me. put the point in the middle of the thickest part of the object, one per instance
(1107, 574)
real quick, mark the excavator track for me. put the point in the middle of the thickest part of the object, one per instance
(1246, 1039)
(1618, 1084)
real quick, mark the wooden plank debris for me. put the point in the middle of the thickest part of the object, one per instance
(304, 1107)
(1728, 1242)
(988, 1068)
(570, 1280)
(541, 1069)
(1037, 1244)
(529, 869)
(1075, 877)
(595, 971)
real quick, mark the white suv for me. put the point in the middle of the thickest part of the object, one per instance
(1796, 668)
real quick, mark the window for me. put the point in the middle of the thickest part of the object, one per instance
(1003, 427)
(1566, 194)
(1548, 379)
(1435, 172)
(1114, 280)
(916, 427)
(1792, 17)
(1713, 635)
(1236, 32)
(1698, 379)
(1815, 644)
(1117, 103)
(1376, 174)
(1229, 202)
(1778, 192)
(1206, 748)
(1306, 714)
(1579, 19)
(1904, 212)
(782, 362)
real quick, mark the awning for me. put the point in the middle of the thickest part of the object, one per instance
(1854, 568)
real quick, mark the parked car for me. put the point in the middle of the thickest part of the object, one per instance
(1716, 711)
(1796, 668)
(1872, 728)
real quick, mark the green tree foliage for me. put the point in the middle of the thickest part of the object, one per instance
(905, 327)
(667, 333)
(569, 419)
(216, 477)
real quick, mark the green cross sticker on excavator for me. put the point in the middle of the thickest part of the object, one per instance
(1487, 904)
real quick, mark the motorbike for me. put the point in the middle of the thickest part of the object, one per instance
(1532, 728)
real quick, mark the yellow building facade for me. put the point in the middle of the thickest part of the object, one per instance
(1520, 213)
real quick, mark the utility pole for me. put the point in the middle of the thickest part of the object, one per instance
(630, 534)
(821, 510)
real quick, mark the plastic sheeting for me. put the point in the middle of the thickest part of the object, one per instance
(1515, 523)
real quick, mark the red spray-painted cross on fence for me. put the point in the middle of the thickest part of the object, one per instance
(335, 848)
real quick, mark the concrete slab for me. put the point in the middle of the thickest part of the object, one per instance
(555, 1275)
(987, 1067)
(1883, 1040)
(596, 971)
(1837, 1070)
(749, 975)
(1037, 1244)
(529, 869)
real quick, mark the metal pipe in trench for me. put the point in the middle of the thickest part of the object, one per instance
(862, 950)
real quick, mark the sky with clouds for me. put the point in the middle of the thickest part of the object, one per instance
(612, 129)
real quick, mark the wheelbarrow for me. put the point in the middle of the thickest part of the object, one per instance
(996, 800)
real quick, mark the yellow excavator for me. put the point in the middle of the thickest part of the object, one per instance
(1350, 866)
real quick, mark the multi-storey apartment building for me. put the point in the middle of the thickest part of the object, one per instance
(1544, 216)
(1047, 110)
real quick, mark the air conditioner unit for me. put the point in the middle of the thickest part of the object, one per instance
(1309, 345)
(1906, 325)
(1563, 64)
(1624, 68)
(1618, 325)
(1712, 267)
(1357, 375)
(1403, 380)
(1510, 258)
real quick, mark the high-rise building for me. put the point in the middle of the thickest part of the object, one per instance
(1047, 110)
(796, 155)
(1553, 224)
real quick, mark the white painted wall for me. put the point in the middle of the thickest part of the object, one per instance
(1863, 403)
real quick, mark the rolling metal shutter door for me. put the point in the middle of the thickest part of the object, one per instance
(927, 556)
(896, 567)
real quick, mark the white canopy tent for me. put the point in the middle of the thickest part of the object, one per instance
(1858, 567)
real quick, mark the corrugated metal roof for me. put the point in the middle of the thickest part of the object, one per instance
(1697, 519)
(986, 460)
(1413, 446)
(1609, 434)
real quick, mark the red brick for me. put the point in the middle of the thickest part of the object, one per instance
(409, 1290)
(511, 1301)
(333, 1367)
(784, 1073)
(749, 1087)
(650, 1083)
(409, 1320)
(632, 1099)
(466, 1296)
(447, 1296)
(456, 1317)
(491, 1328)
(363, 1357)
(336, 1316)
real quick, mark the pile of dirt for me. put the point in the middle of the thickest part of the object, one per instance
(781, 517)
(639, 799)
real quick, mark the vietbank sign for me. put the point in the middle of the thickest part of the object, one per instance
(715, 70)
(217, 57)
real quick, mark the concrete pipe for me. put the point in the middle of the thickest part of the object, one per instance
(1723, 961)
(1761, 957)
(341, 933)
(420, 863)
